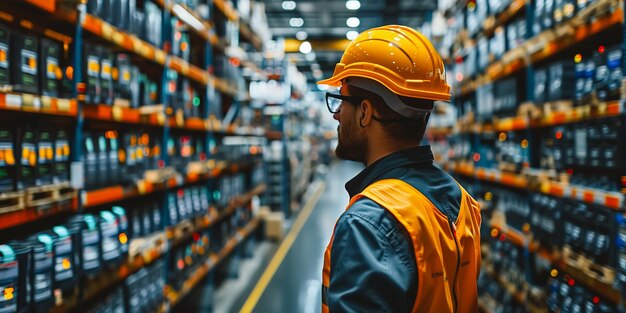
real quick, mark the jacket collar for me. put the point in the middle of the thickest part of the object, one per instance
(411, 157)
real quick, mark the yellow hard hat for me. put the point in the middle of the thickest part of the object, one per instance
(399, 58)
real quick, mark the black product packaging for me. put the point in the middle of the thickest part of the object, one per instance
(5, 52)
(195, 196)
(157, 221)
(64, 257)
(92, 68)
(106, 77)
(548, 14)
(45, 161)
(67, 81)
(562, 84)
(50, 67)
(41, 297)
(94, 7)
(602, 74)
(24, 59)
(61, 157)
(182, 96)
(135, 90)
(590, 70)
(115, 166)
(134, 230)
(188, 198)
(183, 210)
(146, 220)
(537, 26)
(148, 91)
(580, 95)
(86, 226)
(28, 159)
(614, 62)
(109, 232)
(8, 166)
(132, 9)
(123, 83)
(185, 47)
(578, 145)
(137, 21)
(120, 14)
(14, 272)
(103, 161)
(192, 102)
(122, 223)
(177, 26)
(129, 144)
(172, 209)
(108, 13)
(91, 162)
(133, 287)
(143, 154)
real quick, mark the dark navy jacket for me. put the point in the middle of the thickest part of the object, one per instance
(372, 261)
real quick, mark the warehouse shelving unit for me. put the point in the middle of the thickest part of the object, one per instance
(504, 152)
(210, 165)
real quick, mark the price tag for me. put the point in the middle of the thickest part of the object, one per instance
(13, 101)
(117, 113)
(64, 105)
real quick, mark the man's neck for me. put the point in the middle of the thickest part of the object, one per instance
(380, 151)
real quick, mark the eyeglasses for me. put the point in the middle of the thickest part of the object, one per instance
(333, 101)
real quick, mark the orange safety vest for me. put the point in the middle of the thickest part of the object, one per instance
(434, 246)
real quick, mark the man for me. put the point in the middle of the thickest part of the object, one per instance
(409, 239)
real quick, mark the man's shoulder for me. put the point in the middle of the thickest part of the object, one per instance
(371, 213)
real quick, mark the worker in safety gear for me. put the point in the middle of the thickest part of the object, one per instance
(409, 239)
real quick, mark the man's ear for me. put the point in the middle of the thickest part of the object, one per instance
(367, 110)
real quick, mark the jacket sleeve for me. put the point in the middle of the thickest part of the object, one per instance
(365, 273)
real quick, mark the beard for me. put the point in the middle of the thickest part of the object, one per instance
(351, 144)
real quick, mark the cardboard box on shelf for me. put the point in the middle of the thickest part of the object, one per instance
(274, 225)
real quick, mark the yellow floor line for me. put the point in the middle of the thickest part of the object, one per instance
(278, 258)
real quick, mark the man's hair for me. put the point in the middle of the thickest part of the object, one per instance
(403, 128)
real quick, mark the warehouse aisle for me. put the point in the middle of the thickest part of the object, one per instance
(295, 287)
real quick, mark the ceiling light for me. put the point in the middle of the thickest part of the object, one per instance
(317, 74)
(353, 5)
(310, 57)
(302, 35)
(305, 47)
(353, 22)
(351, 35)
(296, 22)
(323, 87)
(289, 5)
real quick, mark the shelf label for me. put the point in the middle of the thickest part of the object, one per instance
(78, 176)
(13, 101)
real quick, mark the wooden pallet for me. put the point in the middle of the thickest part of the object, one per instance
(595, 10)
(573, 259)
(66, 192)
(601, 273)
(11, 201)
(557, 106)
(42, 195)
(159, 175)
(529, 110)
(598, 272)
(180, 230)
